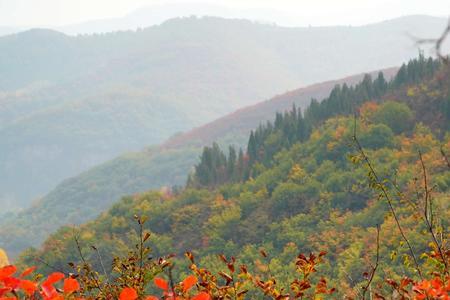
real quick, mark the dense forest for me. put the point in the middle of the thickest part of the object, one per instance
(345, 176)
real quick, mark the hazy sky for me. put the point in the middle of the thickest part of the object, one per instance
(314, 12)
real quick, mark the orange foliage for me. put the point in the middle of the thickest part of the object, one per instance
(18, 288)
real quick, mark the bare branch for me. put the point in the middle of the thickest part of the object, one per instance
(85, 263)
(101, 263)
(386, 195)
(375, 267)
(444, 155)
(49, 265)
(438, 42)
(428, 216)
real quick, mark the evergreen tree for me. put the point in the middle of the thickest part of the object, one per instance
(252, 150)
(380, 85)
(293, 126)
(401, 76)
(231, 165)
(240, 166)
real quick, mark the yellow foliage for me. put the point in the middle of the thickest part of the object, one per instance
(3, 258)
(297, 174)
(340, 130)
(411, 92)
(262, 193)
(315, 136)
(367, 110)
(87, 235)
(331, 145)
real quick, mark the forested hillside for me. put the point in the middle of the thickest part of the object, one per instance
(70, 103)
(82, 198)
(301, 185)
(217, 168)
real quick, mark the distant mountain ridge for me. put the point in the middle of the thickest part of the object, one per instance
(157, 14)
(70, 103)
(247, 118)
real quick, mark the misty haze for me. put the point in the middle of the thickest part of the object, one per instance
(299, 150)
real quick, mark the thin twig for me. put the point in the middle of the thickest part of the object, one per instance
(141, 251)
(438, 42)
(101, 263)
(94, 278)
(374, 268)
(429, 216)
(80, 253)
(171, 282)
(353, 283)
(385, 193)
(49, 265)
(444, 155)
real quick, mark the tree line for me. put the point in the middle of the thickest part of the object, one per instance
(217, 167)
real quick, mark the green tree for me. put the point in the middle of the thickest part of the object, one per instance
(377, 136)
(398, 116)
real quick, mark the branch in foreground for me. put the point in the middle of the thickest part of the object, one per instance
(378, 184)
(375, 267)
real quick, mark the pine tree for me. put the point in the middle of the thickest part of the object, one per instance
(401, 76)
(252, 150)
(380, 85)
(302, 130)
(231, 165)
(293, 126)
(239, 174)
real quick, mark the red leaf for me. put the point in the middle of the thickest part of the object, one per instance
(202, 296)
(53, 278)
(152, 298)
(49, 291)
(128, 294)
(71, 285)
(188, 282)
(7, 271)
(28, 272)
(29, 287)
(11, 282)
(3, 291)
(161, 283)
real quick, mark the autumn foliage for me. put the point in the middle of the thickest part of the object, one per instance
(356, 208)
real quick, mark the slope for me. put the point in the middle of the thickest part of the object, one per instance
(69, 103)
(309, 196)
(81, 198)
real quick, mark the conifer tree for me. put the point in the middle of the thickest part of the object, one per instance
(231, 164)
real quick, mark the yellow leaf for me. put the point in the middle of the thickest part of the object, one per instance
(3, 258)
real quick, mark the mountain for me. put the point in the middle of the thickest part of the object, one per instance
(243, 120)
(83, 197)
(305, 188)
(157, 14)
(6, 30)
(70, 103)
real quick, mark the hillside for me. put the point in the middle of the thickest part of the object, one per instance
(69, 103)
(82, 198)
(243, 120)
(311, 194)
